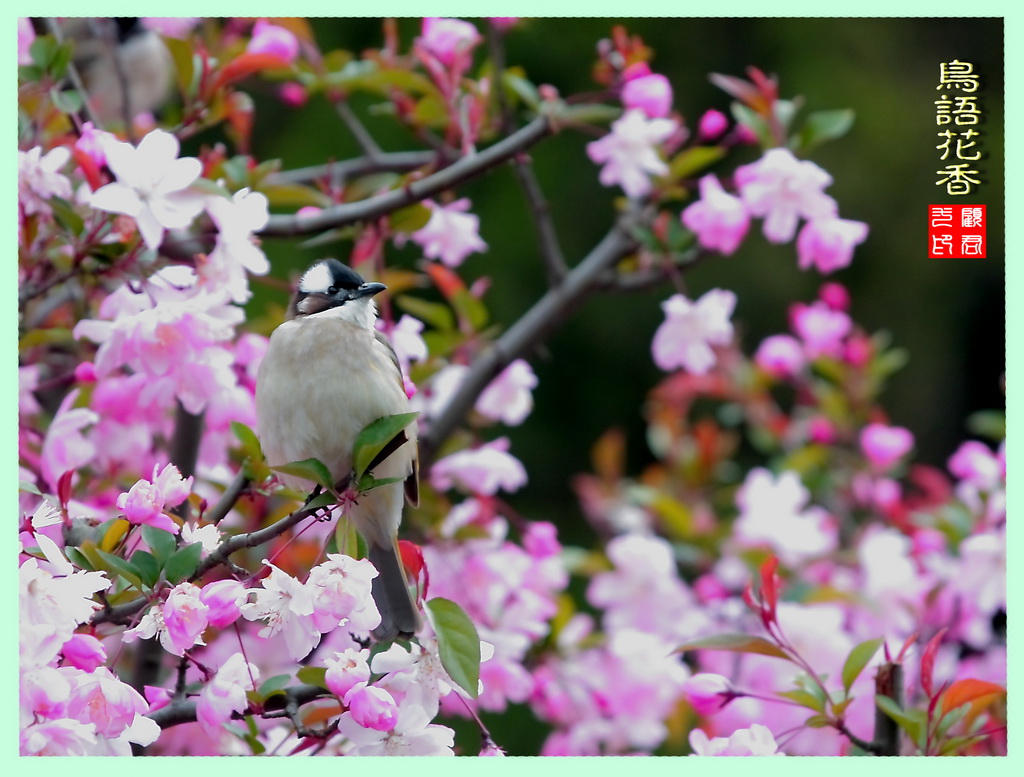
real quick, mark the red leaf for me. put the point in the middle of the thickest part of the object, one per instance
(88, 167)
(64, 488)
(906, 646)
(446, 281)
(928, 661)
(412, 559)
(246, 65)
(964, 691)
(769, 586)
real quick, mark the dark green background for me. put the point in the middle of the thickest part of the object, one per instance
(596, 371)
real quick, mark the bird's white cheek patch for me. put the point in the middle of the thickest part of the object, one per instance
(316, 278)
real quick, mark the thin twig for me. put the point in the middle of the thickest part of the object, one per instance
(338, 172)
(359, 132)
(375, 207)
(523, 336)
(228, 499)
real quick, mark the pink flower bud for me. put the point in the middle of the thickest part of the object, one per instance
(835, 296)
(347, 670)
(268, 38)
(652, 94)
(712, 125)
(85, 372)
(704, 692)
(143, 503)
(541, 540)
(85, 652)
(885, 445)
(223, 599)
(781, 356)
(372, 707)
(447, 39)
(822, 431)
(293, 95)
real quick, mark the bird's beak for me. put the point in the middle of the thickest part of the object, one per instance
(367, 290)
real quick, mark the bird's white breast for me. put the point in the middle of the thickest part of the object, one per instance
(323, 380)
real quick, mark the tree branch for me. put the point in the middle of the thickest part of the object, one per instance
(535, 325)
(338, 172)
(374, 207)
(183, 710)
(228, 499)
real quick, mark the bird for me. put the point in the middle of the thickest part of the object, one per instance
(326, 375)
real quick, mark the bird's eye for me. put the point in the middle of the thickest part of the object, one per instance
(332, 290)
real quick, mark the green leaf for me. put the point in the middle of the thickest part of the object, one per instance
(911, 721)
(312, 675)
(523, 88)
(458, 643)
(66, 216)
(368, 482)
(735, 643)
(183, 563)
(437, 314)
(294, 195)
(76, 557)
(275, 684)
(66, 101)
(805, 699)
(147, 565)
(373, 439)
(124, 568)
(42, 51)
(694, 160)
(309, 469)
(988, 423)
(161, 543)
(411, 218)
(858, 659)
(469, 309)
(824, 125)
(184, 62)
(24, 485)
(325, 499)
(753, 121)
(818, 721)
(346, 538)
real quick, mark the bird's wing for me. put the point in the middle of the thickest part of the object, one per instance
(412, 483)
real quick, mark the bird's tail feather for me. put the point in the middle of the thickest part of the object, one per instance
(398, 612)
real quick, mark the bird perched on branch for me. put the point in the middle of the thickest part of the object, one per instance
(328, 374)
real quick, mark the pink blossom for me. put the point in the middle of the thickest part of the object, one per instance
(482, 470)
(64, 447)
(92, 142)
(185, 617)
(508, 398)
(287, 606)
(85, 652)
(827, 243)
(443, 386)
(57, 601)
(208, 536)
(152, 185)
(781, 356)
(223, 600)
(706, 692)
(171, 332)
(712, 125)
(719, 220)
(170, 26)
(449, 39)
(976, 463)
(372, 707)
(57, 737)
(858, 351)
(885, 445)
(346, 670)
(452, 234)
(157, 697)
(225, 693)
(406, 339)
(650, 93)
(146, 501)
(821, 329)
(756, 740)
(774, 512)
(235, 251)
(782, 189)
(28, 381)
(272, 39)
(413, 734)
(340, 589)
(39, 178)
(821, 431)
(102, 699)
(628, 152)
(541, 540)
(25, 37)
(690, 329)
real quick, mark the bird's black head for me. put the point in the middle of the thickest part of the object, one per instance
(330, 284)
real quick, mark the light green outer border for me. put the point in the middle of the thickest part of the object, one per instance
(436, 767)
